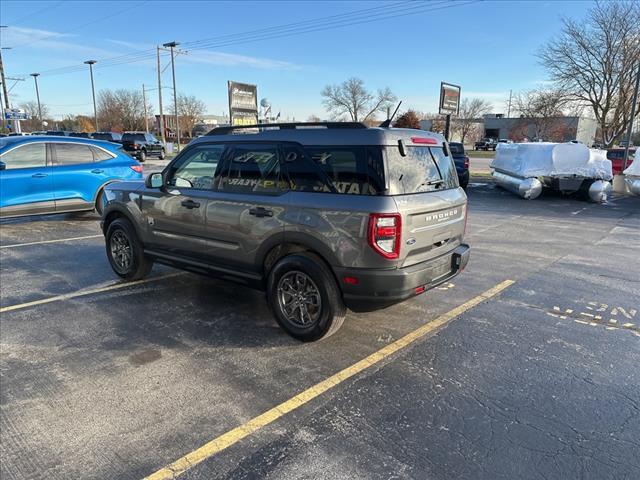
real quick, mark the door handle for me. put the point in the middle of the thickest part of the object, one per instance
(260, 212)
(39, 175)
(190, 204)
(97, 170)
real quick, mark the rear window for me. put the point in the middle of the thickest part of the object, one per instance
(102, 136)
(619, 154)
(424, 169)
(133, 136)
(456, 148)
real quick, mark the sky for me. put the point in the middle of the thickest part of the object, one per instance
(486, 47)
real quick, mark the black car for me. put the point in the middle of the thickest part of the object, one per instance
(486, 144)
(80, 135)
(462, 163)
(141, 145)
(58, 133)
(108, 136)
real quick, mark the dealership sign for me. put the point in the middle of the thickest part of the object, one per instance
(15, 114)
(243, 103)
(449, 99)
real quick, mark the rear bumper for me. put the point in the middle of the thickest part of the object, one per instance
(378, 289)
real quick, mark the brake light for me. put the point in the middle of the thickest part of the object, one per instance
(384, 234)
(424, 140)
(466, 162)
(136, 168)
(351, 280)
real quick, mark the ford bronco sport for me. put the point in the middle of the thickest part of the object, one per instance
(321, 216)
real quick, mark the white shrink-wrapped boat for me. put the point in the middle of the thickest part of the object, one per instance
(632, 177)
(525, 168)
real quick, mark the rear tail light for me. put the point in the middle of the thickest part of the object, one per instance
(384, 234)
(466, 162)
(136, 168)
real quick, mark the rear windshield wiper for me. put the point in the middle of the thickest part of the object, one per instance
(439, 181)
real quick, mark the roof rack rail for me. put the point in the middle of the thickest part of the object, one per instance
(286, 126)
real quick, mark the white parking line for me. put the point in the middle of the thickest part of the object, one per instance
(49, 241)
(82, 293)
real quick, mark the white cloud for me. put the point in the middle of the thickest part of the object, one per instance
(234, 60)
(44, 40)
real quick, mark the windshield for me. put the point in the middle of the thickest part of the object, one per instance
(133, 136)
(424, 169)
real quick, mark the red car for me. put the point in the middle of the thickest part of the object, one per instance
(616, 155)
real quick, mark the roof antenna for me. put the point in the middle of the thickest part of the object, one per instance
(387, 122)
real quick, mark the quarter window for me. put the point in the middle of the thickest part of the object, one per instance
(197, 169)
(253, 169)
(100, 155)
(350, 170)
(32, 155)
(70, 154)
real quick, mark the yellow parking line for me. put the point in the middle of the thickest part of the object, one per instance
(82, 293)
(233, 436)
(50, 241)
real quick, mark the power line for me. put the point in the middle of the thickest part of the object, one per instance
(310, 26)
(37, 12)
(80, 27)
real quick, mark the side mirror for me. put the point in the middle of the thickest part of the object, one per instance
(154, 180)
(2, 166)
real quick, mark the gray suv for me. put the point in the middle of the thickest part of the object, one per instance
(320, 216)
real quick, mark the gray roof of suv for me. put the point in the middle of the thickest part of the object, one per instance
(324, 136)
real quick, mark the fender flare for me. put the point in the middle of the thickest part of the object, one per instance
(297, 238)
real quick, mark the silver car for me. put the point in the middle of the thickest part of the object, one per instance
(323, 217)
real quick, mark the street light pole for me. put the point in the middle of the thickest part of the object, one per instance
(91, 63)
(161, 126)
(173, 45)
(633, 114)
(35, 79)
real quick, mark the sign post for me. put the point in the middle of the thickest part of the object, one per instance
(243, 104)
(449, 104)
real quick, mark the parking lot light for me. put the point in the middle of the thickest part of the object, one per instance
(91, 63)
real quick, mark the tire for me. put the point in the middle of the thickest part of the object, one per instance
(162, 155)
(139, 265)
(100, 202)
(325, 310)
(142, 156)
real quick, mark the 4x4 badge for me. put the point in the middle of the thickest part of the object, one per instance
(411, 241)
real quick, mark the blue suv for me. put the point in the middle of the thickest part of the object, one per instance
(47, 174)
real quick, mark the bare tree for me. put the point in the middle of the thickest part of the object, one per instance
(313, 119)
(353, 99)
(190, 110)
(596, 60)
(540, 111)
(31, 109)
(470, 111)
(121, 110)
(408, 119)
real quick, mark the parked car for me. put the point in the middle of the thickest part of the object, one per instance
(616, 155)
(462, 162)
(485, 144)
(141, 145)
(58, 133)
(48, 174)
(323, 218)
(107, 136)
(80, 134)
(505, 140)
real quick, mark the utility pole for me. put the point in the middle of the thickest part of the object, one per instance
(35, 79)
(144, 104)
(161, 126)
(509, 110)
(4, 81)
(172, 45)
(91, 63)
(633, 114)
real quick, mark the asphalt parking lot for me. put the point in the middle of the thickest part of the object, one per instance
(525, 366)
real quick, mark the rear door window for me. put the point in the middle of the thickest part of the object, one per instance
(130, 137)
(70, 154)
(423, 169)
(252, 168)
